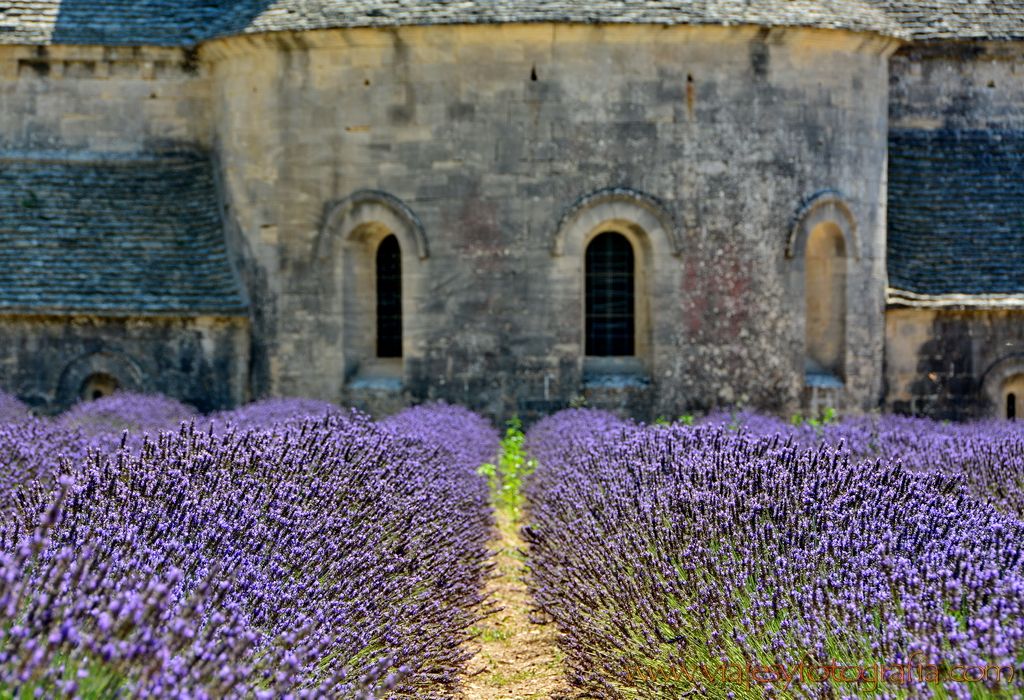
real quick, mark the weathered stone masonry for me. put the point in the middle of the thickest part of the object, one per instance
(496, 308)
(956, 228)
(230, 173)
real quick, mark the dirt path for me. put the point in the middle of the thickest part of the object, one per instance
(518, 659)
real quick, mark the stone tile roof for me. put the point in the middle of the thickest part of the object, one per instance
(187, 22)
(956, 213)
(955, 19)
(109, 22)
(113, 237)
(316, 14)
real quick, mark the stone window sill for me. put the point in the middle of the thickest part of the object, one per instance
(614, 373)
(823, 380)
(380, 374)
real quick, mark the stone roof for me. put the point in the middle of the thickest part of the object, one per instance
(188, 22)
(113, 237)
(109, 22)
(956, 214)
(955, 19)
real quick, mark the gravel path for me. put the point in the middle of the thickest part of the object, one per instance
(517, 659)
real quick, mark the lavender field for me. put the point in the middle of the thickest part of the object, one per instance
(286, 549)
(293, 549)
(747, 557)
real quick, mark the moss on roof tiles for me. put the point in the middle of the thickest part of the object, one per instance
(113, 237)
(956, 212)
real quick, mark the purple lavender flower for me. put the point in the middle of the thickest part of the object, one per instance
(286, 549)
(662, 548)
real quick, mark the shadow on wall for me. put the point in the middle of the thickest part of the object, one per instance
(151, 22)
(946, 387)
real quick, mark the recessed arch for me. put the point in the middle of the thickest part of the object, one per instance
(822, 207)
(825, 308)
(372, 247)
(98, 385)
(649, 229)
(371, 208)
(618, 205)
(119, 367)
(820, 246)
(1013, 397)
(1002, 378)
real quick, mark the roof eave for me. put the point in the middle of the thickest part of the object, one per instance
(120, 314)
(901, 298)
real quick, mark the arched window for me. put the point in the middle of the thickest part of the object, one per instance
(610, 296)
(1013, 393)
(825, 300)
(98, 385)
(389, 297)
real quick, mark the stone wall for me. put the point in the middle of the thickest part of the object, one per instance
(950, 364)
(702, 143)
(102, 99)
(46, 361)
(958, 85)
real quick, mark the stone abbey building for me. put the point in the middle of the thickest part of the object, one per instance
(515, 204)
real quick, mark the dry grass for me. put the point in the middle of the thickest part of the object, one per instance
(517, 659)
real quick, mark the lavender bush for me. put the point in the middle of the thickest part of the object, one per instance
(268, 413)
(106, 421)
(320, 557)
(664, 552)
(12, 410)
(31, 452)
(989, 455)
(126, 411)
(471, 439)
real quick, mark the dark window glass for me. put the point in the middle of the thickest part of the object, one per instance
(1011, 406)
(610, 310)
(389, 298)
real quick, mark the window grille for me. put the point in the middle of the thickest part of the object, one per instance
(610, 296)
(389, 298)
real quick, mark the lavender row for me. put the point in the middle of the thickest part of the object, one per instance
(288, 549)
(662, 552)
(987, 455)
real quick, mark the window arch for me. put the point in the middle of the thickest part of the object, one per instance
(610, 296)
(825, 300)
(615, 236)
(373, 247)
(389, 297)
(105, 371)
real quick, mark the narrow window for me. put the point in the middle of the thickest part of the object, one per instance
(389, 298)
(1011, 406)
(610, 305)
(825, 300)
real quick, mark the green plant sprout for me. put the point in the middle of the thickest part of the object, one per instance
(507, 476)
